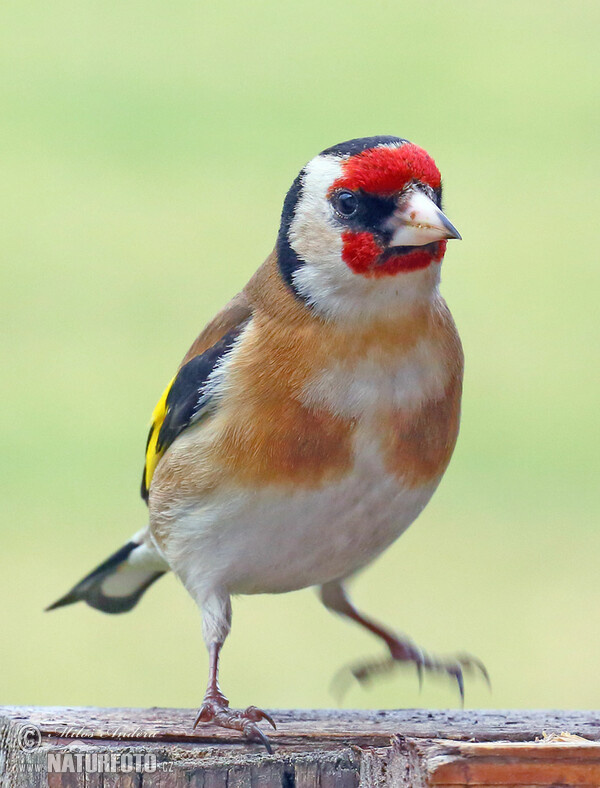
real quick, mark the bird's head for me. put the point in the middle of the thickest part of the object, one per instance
(362, 230)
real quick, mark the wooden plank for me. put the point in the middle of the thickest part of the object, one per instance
(542, 763)
(325, 748)
(307, 725)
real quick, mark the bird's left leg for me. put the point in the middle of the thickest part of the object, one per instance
(401, 648)
(216, 623)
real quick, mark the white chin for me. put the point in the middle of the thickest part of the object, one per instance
(335, 292)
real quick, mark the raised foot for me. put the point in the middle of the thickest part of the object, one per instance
(404, 651)
(217, 712)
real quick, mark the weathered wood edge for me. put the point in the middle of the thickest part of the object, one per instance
(325, 748)
(306, 725)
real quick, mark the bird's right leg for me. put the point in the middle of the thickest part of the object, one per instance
(216, 623)
(401, 648)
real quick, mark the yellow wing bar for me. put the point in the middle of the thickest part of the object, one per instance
(153, 454)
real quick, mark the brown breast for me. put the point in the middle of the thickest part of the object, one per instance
(263, 433)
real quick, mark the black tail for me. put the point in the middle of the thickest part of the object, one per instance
(118, 583)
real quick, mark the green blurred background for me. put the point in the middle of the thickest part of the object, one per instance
(146, 148)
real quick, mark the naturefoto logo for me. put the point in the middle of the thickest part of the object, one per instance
(101, 762)
(29, 738)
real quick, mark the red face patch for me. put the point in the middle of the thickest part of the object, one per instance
(361, 253)
(385, 171)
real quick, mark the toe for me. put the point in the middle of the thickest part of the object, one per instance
(256, 715)
(470, 662)
(405, 652)
(366, 671)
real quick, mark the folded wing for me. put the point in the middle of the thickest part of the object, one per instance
(187, 398)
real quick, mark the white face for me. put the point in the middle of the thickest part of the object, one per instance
(325, 280)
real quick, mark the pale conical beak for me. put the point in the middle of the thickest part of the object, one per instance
(418, 221)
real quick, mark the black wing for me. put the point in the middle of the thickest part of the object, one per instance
(183, 403)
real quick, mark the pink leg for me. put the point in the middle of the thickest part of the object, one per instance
(215, 707)
(401, 649)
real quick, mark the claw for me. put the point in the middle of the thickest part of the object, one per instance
(419, 666)
(254, 732)
(418, 657)
(202, 716)
(486, 675)
(458, 675)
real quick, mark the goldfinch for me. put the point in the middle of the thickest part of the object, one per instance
(312, 419)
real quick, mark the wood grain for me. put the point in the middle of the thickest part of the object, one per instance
(326, 748)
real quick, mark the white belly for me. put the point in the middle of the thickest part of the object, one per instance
(274, 539)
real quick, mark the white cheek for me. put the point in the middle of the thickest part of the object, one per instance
(324, 279)
(313, 235)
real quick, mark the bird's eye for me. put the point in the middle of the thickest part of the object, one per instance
(345, 203)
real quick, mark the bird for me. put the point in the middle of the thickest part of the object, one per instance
(312, 419)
